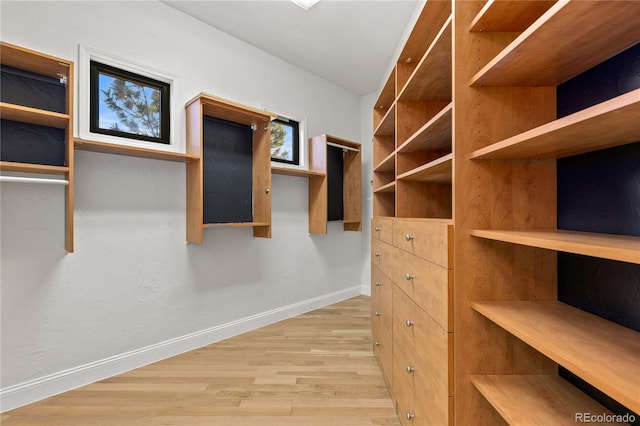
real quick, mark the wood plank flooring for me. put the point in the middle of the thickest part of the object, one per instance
(316, 369)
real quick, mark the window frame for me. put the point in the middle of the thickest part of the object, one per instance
(96, 69)
(86, 55)
(295, 140)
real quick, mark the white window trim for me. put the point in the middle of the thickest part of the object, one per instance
(86, 55)
(302, 142)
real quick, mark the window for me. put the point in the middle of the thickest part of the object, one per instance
(128, 105)
(285, 141)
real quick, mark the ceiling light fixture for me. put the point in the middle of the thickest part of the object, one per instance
(305, 4)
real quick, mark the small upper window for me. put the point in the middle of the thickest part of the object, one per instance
(285, 141)
(128, 105)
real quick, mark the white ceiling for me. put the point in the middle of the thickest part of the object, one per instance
(349, 43)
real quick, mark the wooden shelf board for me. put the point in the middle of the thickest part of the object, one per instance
(387, 165)
(350, 221)
(431, 80)
(568, 39)
(29, 115)
(509, 15)
(235, 225)
(387, 126)
(437, 171)
(225, 109)
(295, 172)
(434, 13)
(110, 148)
(388, 188)
(434, 135)
(388, 93)
(528, 400)
(601, 352)
(615, 247)
(30, 60)
(606, 125)
(9, 166)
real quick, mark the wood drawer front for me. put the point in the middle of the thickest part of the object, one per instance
(432, 241)
(383, 349)
(420, 416)
(416, 391)
(381, 301)
(416, 331)
(384, 256)
(427, 284)
(382, 229)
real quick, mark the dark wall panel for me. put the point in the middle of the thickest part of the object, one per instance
(228, 172)
(600, 192)
(335, 183)
(30, 143)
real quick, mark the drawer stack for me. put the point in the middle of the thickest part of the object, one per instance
(412, 325)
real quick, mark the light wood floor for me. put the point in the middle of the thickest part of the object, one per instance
(314, 369)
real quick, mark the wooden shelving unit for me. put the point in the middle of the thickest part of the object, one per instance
(109, 148)
(606, 125)
(318, 184)
(550, 51)
(599, 351)
(615, 247)
(509, 16)
(55, 68)
(205, 105)
(536, 400)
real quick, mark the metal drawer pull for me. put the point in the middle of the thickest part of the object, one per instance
(410, 369)
(409, 416)
(409, 323)
(408, 237)
(378, 229)
(378, 343)
(408, 277)
(377, 283)
(378, 313)
(377, 254)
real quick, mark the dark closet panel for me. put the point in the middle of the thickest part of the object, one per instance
(33, 90)
(335, 183)
(227, 172)
(31, 143)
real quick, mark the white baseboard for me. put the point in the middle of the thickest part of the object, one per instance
(44, 387)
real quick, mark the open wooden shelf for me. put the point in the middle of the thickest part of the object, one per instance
(437, 171)
(387, 123)
(601, 352)
(434, 135)
(508, 15)
(385, 101)
(29, 115)
(615, 247)
(8, 166)
(36, 62)
(388, 188)
(109, 148)
(550, 52)
(431, 80)
(536, 400)
(606, 125)
(236, 225)
(295, 172)
(387, 165)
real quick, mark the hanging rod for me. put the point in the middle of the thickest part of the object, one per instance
(348, 148)
(33, 180)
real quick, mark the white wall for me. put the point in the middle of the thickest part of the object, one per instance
(133, 282)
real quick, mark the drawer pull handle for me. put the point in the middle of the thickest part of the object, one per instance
(408, 277)
(378, 229)
(410, 369)
(408, 237)
(377, 283)
(378, 344)
(409, 323)
(377, 254)
(378, 313)
(409, 416)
